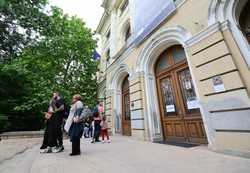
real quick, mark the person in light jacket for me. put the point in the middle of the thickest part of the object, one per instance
(74, 124)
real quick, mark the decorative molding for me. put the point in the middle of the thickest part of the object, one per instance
(215, 59)
(227, 13)
(138, 82)
(230, 90)
(206, 33)
(208, 46)
(230, 110)
(159, 42)
(220, 74)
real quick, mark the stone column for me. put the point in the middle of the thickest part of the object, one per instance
(139, 121)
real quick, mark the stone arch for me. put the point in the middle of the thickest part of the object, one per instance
(159, 42)
(229, 10)
(115, 86)
(145, 65)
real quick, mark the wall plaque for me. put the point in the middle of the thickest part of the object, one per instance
(218, 84)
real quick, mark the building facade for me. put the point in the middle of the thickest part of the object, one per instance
(178, 71)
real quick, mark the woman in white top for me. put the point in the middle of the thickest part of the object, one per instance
(74, 124)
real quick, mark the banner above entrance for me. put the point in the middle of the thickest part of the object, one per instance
(148, 15)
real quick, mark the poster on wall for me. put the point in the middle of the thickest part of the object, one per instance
(218, 84)
(192, 104)
(170, 108)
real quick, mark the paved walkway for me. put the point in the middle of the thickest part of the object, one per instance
(125, 155)
(9, 148)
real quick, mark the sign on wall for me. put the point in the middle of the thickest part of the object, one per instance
(218, 84)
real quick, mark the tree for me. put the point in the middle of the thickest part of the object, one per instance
(21, 22)
(15, 88)
(61, 59)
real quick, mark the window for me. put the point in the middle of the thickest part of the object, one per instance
(173, 55)
(108, 35)
(244, 21)
(128, 33)
(108, 57)
(124, 6)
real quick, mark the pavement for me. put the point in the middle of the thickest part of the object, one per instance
(11, 147)
(125, 155)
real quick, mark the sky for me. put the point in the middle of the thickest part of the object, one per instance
(89, 10)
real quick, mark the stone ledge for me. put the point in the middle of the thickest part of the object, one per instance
(22, 134)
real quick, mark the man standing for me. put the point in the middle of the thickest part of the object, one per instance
(59, 114)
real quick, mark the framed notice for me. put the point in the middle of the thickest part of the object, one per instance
(192, 104)
(218, 84)
(170, 108)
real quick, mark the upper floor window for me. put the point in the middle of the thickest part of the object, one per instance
(108, 35)
(244, 21)
(124, 6)
(108, 58)
(127, 33)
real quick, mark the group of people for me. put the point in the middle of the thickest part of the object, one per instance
(77, 122)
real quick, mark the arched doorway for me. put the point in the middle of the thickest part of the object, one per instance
(126, 117)
(180, 114)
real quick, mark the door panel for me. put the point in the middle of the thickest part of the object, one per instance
(168, 96)
(180, 114)
(126, 118)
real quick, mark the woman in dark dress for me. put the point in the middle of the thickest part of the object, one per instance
(49, 139)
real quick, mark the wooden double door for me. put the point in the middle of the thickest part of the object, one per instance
(180, 114)
(126, 115)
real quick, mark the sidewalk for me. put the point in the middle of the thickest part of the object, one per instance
(125, 155)
(10, 147)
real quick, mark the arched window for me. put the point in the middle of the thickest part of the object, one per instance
(170, 57)
(244, 21)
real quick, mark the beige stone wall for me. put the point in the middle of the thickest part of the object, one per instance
(227, 111)
(216, 53)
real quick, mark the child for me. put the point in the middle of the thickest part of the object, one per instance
(86, 128)
(97, 126)
(104, 129)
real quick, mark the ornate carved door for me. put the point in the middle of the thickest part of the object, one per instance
(126, 121)
(180, 114)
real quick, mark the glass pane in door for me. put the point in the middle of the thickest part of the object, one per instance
(168, 97)
(178, 54)
(127, 107)
(188, 92)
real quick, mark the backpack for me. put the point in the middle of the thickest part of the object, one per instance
(66, 111)
(86, 113)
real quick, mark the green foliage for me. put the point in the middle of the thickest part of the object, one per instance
(61, 59)
(13, 91)
(20, 24)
